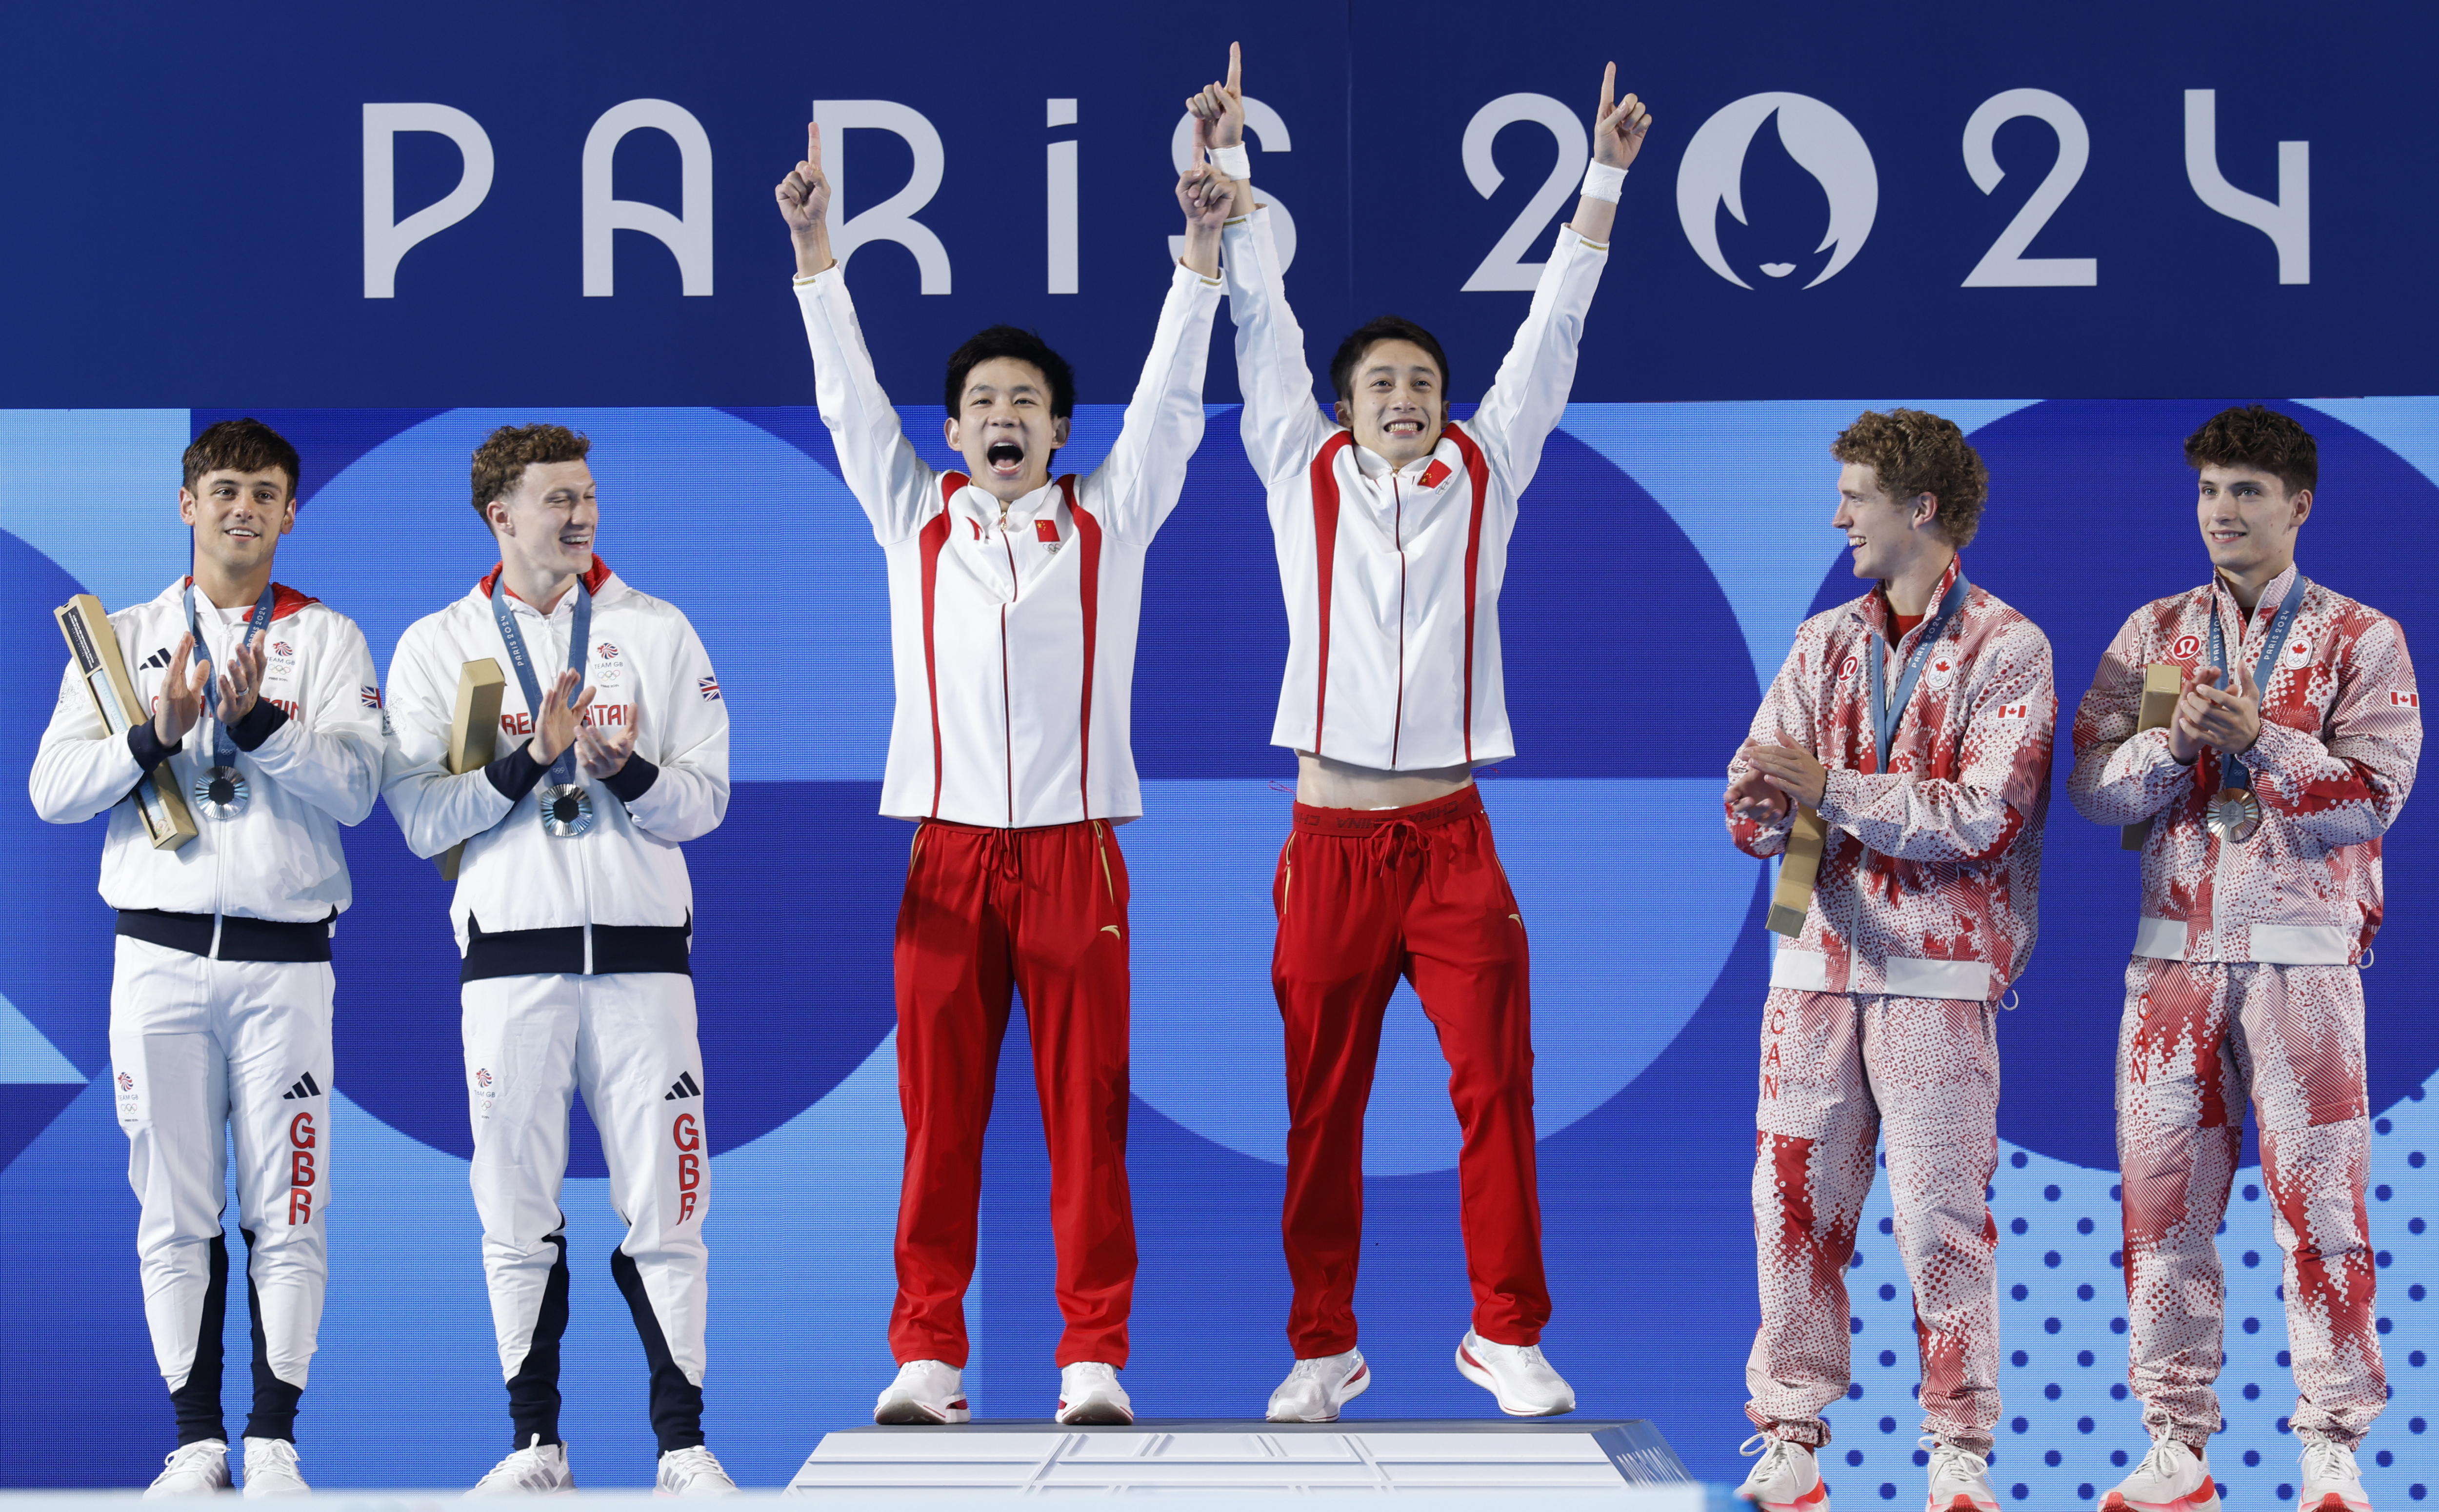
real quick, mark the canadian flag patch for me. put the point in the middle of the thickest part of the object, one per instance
(2404, 700)
(2015, 711)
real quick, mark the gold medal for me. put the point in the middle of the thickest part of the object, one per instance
(2233, 814)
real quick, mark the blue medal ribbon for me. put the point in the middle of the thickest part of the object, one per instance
(223, 749)
(2233, 773)
(562, 771)
(1887, 713)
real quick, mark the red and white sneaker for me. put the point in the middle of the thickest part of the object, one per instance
(2331, 1483)
(2172, 1478)
(1089, 1393)
(926, 1391)
(1786, 1478)
(1960, 1479)
(1517, 1374)
(1317, 1388)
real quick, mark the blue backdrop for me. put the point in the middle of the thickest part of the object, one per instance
(206, 190)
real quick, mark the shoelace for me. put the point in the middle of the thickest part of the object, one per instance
(185, 1455)
(1960, 1461)
(2324, 1461)
(2160, 1461)
(525, 1466)
(1773, 1450)
(281, 1452)
(685, 1464)
(1315, 1368)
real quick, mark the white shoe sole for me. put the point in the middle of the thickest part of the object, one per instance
(915, 1415)
(1474, 1372)
(1102, 1413)
(1355, 1386)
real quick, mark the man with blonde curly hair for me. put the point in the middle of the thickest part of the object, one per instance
(1914, 723)
(2292, 747)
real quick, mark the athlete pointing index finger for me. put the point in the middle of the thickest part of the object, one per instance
(1012, 602)
(1392, 526)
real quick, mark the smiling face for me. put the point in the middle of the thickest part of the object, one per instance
(238, 517)
(546, 524)
(1398, 407)
(1004, 428)
(2248, 521)
(1887, 534)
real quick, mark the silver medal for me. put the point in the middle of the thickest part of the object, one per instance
(2233, 814)
(221, 792)
(566, 809)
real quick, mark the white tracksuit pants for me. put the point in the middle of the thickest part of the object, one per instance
(197, 1045)
(628, 1041)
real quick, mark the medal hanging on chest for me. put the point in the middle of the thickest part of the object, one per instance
(1888, 705)
(221, 792)
(566, 804)
(2234, 812)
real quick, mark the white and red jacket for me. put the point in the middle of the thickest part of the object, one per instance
(1013, 634)
(649, 673)
(1392, 575)
(2341, 732)
(1930, 884)
(311, 750)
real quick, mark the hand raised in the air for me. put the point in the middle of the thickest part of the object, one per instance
(1221, 106)
(1205, 194)
(180, 702)
(1618, 128)
(804, 195)
(556, 725)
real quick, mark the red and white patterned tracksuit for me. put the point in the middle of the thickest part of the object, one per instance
(2244, 985)
(1366, 897)
(1878, 1019)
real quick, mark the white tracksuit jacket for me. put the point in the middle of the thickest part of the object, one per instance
(650, 671)
(1392, 578)
(1014, 649)
(317, 768)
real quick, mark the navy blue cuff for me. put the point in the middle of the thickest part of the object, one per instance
(515, 773)
(146, 747)
(257, 724)
(633, 781)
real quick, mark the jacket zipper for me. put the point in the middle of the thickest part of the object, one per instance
(1006, 701)
(1397, 529)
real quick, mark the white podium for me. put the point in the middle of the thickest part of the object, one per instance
(1039, 1458)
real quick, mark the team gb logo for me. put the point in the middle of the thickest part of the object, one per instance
(1824, 143)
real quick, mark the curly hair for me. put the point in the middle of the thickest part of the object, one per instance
(500, 461)
(1916, 451)
(240, 446)
(2257, 437)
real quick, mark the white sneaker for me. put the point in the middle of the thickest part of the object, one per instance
(271, 1468)
(692, 1472)
(536, 1469)
(1786, 1478)
(2331, 1483)
(1960, 1479)
(1517, 1374)
(1317, 1388)
(926, 1391)
(2172, 1478)
(1089, 1393)
(200, 1468)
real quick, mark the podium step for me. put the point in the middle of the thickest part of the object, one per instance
(1038, 1458)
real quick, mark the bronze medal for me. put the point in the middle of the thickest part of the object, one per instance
(2233, 814)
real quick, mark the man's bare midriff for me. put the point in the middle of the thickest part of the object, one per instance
(1322, 783)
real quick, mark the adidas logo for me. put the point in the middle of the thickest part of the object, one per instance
(683, 1087)
(306, 1087)
(160, 657)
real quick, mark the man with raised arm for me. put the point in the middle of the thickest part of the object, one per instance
(1392, 526)
(574, 916)
(1915, 723)
(265, 710)
(2293, 746)
(1013, 598)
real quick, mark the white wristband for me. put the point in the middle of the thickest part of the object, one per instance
(1233, 161)
(1602, 182)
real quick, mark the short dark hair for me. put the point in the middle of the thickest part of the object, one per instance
(2257, 437)
(1915, 451)
(239, 446)
(1025, 346)
(1371, 334)
(500, 461)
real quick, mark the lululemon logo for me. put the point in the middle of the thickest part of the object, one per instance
(1824, 143)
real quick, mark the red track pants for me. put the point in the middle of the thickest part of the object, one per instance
(1365, 897)
(1044, 911)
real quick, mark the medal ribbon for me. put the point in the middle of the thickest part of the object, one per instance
(1888, 712)
(562, 771)
(2233, 773)
(223, 749)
